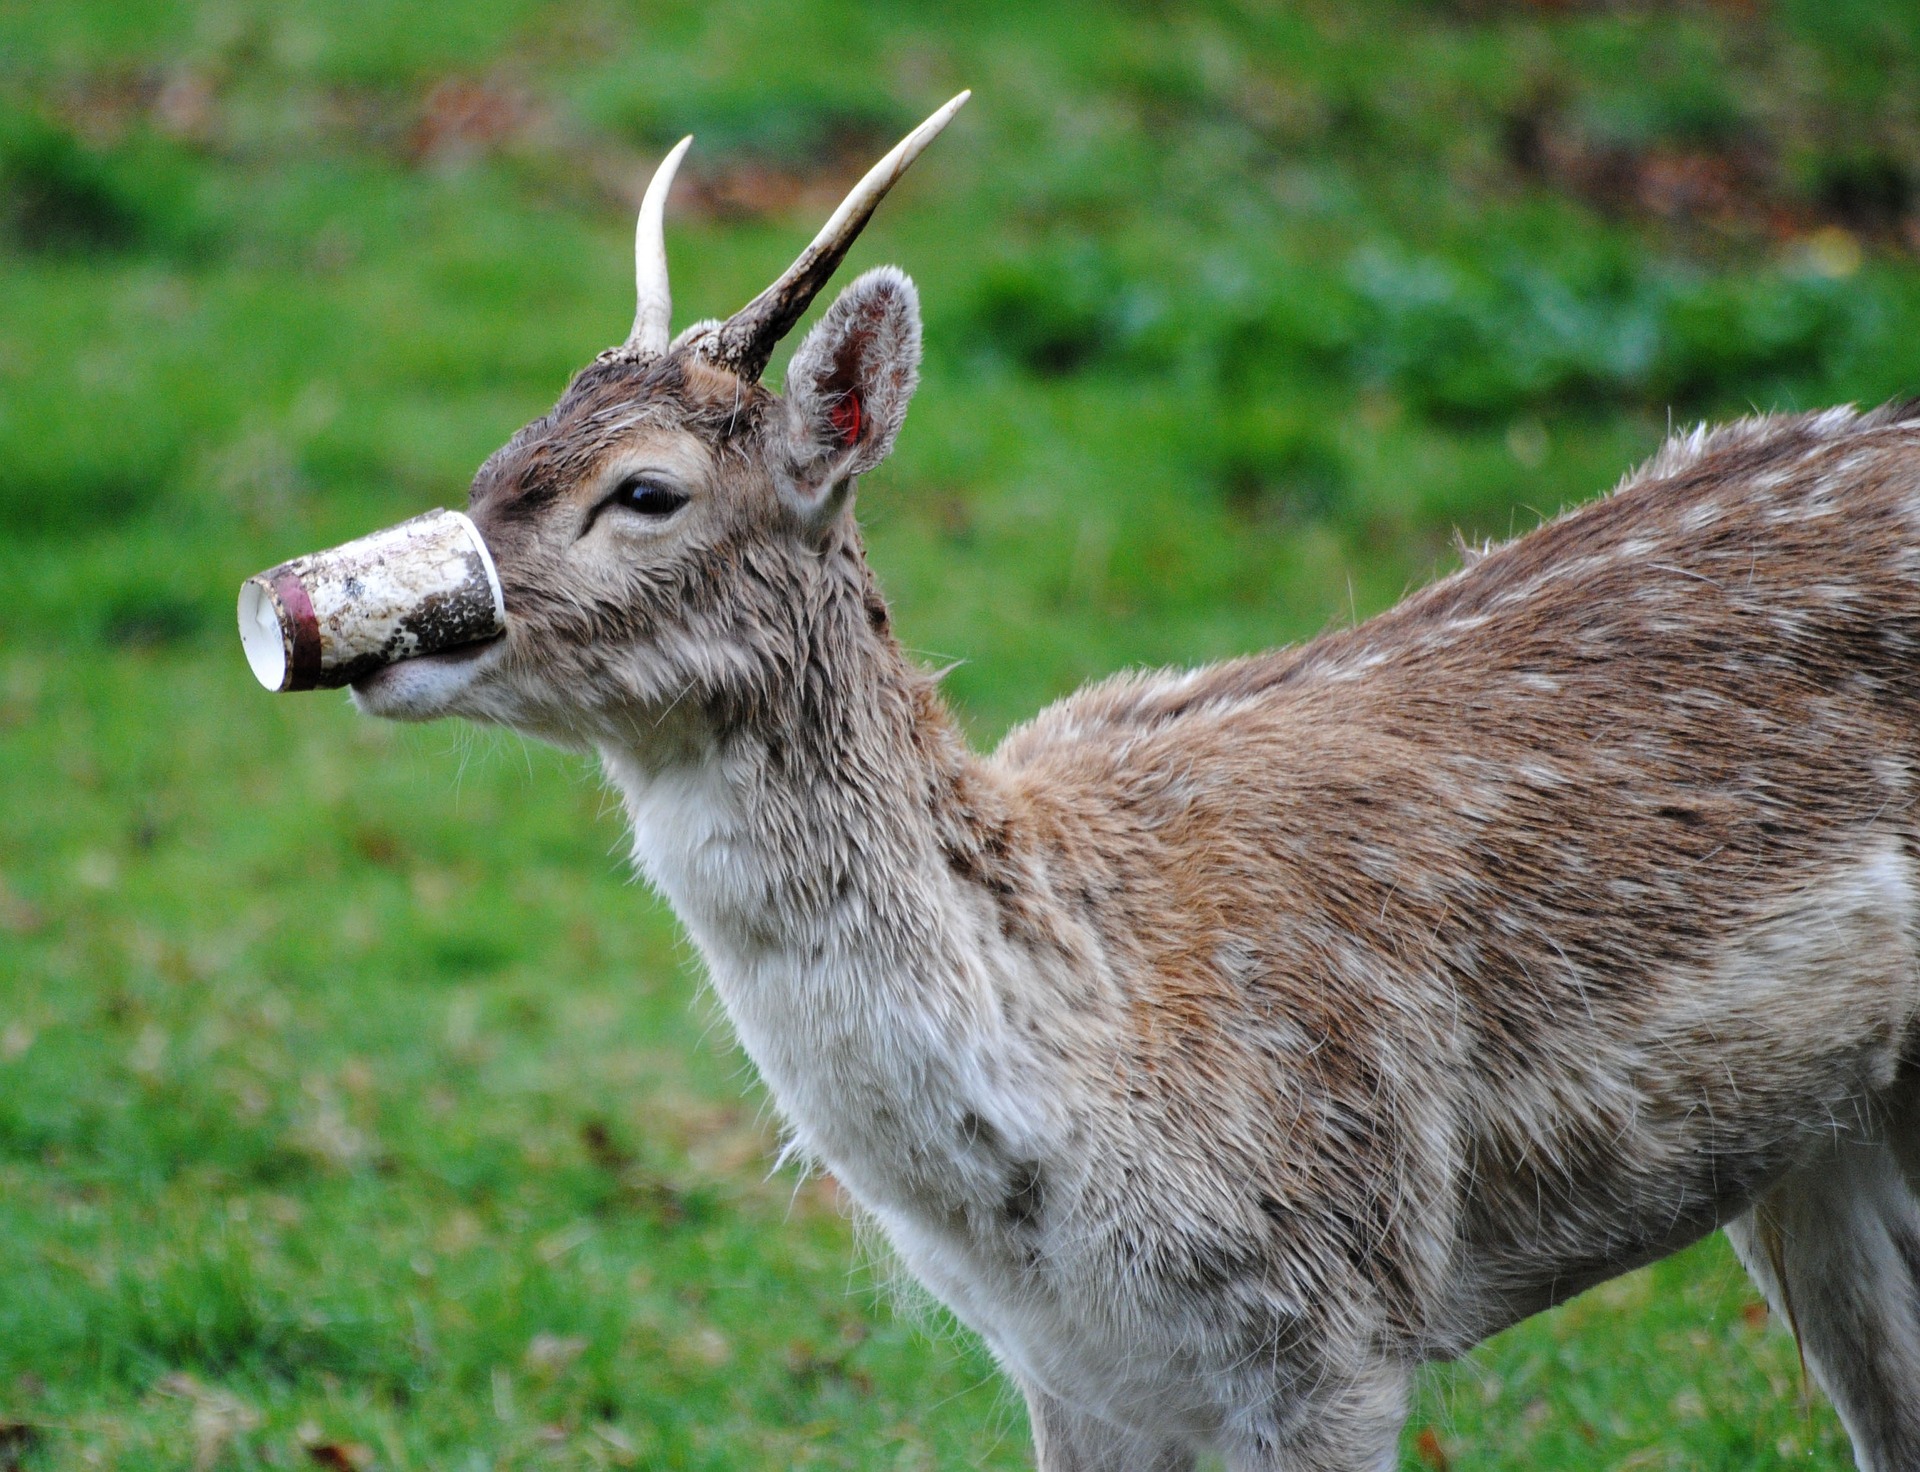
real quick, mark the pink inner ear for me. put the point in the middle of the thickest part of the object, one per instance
(846, 418)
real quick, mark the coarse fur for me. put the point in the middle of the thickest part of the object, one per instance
(1230, 1042)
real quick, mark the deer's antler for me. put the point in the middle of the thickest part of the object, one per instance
(746, 340)
(653, 314)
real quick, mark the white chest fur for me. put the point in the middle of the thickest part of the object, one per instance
(877, 1022)
(872, 1016)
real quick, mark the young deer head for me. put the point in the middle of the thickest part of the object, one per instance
(665, 535)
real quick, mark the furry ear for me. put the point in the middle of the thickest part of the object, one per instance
(848, 385)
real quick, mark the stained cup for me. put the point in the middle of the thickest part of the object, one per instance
(326, 619)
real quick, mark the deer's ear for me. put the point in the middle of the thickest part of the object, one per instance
(849, 382)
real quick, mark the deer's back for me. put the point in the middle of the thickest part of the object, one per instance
(1587, 876)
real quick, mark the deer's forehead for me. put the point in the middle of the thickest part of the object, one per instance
(668, 399)
(617, 417)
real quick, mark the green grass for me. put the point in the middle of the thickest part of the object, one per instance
(354, 1105)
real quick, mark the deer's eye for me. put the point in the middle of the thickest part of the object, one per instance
(648, 497)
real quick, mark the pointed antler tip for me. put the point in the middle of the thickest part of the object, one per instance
(653, 310)
(746, 340)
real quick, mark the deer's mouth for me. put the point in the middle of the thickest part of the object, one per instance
(428, 685)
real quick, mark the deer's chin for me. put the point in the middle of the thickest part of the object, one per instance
(428, 687)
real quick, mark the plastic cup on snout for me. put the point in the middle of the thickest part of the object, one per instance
(326, 619)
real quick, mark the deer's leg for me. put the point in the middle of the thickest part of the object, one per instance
(1066, 1440)
(1836, 1249)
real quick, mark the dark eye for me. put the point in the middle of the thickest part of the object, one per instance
(648, 497)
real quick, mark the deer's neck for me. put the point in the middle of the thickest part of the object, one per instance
(819, 857)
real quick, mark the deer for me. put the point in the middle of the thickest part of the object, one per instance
(1231, 1042)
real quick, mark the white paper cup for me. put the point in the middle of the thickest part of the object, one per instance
(324, 620)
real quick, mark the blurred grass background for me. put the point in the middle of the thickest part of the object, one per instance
(355, 1109)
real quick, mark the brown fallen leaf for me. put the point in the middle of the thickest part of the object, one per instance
(1427, 1444)
(343, 1456)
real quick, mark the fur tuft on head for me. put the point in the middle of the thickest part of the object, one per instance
(687, 343)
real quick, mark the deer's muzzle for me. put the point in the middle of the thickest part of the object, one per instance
(326, 619)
